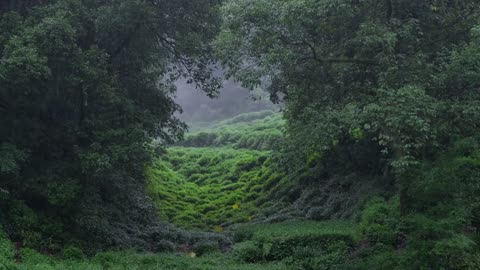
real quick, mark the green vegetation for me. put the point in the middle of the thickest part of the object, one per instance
(372, 163)
(282, 240)
(383, 238)
(379, 93)
(207, 187)
(31, 259)
(81, 103)
(299, 245)
(258, 130)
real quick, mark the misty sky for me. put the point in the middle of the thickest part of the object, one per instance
(232, 101)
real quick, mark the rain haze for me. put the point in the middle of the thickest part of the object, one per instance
(232, 100)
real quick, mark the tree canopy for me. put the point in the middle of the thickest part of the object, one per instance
(389, 70)
(84, 88)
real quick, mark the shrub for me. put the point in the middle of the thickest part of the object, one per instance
(376, 259)
(279, 241)
(380, 221)
(248, 251)
(73, 254)
(242, 233)
(300, 244)
(6, 249)
(32, 257)
(165, 246)
(106, 259)
(205, 247)
(472, 261)
(260, 131)
(311, 258)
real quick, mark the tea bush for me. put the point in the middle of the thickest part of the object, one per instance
(380, 221)
(73, 254)
(209, 188)
(248, 251)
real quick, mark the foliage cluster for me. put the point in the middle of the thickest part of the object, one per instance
(440, 227)
(391, 73)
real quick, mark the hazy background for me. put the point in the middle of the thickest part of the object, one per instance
(233, 100)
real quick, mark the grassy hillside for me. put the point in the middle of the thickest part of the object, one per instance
(219, 175)
(223, 174)
(210, 187)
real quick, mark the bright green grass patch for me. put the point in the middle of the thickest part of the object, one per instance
(220, 174)
(209, 188)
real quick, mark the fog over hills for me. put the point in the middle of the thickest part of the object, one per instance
(233, 100)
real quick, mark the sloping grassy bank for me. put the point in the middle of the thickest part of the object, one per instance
(208, 188)
(219, 175)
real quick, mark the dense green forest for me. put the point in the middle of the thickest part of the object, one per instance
(366, 156)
